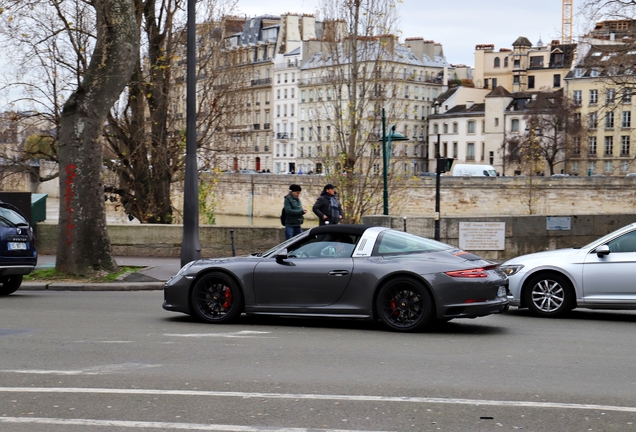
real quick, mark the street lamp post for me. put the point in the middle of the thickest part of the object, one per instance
(190, 246)
(387, 139)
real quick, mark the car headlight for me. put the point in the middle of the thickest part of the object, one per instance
(184, 268)
(512, 269)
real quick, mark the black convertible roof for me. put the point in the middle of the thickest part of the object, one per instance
(357, 230)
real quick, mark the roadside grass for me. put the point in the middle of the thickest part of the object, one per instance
(52, 275)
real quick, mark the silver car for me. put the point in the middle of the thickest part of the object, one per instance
(599, 275)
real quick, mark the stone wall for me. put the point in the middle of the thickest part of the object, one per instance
(523, 234)
(261, 195)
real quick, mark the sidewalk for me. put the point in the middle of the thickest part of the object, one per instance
(154, 273)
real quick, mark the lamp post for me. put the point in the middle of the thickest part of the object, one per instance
(190, 246)
(387, 139)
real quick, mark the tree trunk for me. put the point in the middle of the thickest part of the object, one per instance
(83, 244)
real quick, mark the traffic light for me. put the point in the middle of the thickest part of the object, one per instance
(444, 164)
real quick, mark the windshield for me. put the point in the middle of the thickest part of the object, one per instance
(398, 242)
(490, 173)
(275, 248)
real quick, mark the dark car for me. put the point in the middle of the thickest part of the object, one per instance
(346, 271)
(18, 256)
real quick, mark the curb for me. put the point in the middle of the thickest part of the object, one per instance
(108, 286)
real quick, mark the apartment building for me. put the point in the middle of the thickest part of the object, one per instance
(401, 79)
(601, 86)
(523, 67)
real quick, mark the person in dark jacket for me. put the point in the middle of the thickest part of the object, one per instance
(327, 206)
(294, 212)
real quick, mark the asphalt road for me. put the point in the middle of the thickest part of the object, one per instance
(115, 361)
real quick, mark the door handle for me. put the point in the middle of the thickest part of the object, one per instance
(338, 273)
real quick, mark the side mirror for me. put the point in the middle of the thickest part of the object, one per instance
(602, 250)
(281, 256)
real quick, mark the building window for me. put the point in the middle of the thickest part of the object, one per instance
(609, 96)
(609, 120)
(496, 121)
(576, 97)
(514, 125)
(531, 81)
(593, 97)
(470, 151)
(515, 80)
(486, 82)
(625, 145)
(609, 146)
(455, 127)
(497, 62)
(576, 146)
(626, 119)
(471, 127)
(445, 128)
(624, 167)
(536, 61)
(506, 62)
(627, 95)
(607, 166)
(435, 128)
(455, 150)
(591, 145)
(591, 167)
(556, 80)
(593, 120)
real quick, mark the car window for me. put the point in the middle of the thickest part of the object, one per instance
(324, 246)
(396, 242)
(9, 218)
(624, 243)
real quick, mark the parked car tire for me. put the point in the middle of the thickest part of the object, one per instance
(549, 295)
(10, 284)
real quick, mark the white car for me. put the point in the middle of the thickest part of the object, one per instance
(600, 275)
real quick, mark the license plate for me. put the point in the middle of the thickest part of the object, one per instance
(17, 246)
(501, 292)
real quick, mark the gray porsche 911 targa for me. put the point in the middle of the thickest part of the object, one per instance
(344, 271)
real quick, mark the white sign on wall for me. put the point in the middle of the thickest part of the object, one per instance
(482, 235)
(558, 223)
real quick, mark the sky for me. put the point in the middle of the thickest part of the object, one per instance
(458, 25)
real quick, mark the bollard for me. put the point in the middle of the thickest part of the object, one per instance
(232, 241)
(404, 223)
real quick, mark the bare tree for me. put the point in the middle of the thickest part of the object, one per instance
(356, 64)
(83, 243)
(553, 129)
(46, 46)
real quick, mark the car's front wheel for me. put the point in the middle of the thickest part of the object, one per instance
(549, 295)
(217, 298)
(10, 284)
(404, 304)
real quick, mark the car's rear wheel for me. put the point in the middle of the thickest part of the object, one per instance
(217, 298)
(549, 295)
(10, 284)
(404, 304)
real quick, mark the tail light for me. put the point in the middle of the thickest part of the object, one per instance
(480, 272)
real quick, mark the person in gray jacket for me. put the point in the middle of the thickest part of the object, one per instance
(294, 212)
(327, 206)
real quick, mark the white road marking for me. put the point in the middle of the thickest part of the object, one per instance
(351, 398)
(160, 425)
(241, 334)
(96, 370)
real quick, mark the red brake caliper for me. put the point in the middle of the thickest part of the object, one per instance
(394, 307)
(227, 292)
